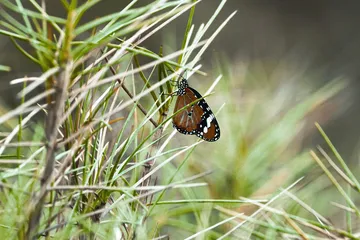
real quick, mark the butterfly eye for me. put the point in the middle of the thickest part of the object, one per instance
(196, 118)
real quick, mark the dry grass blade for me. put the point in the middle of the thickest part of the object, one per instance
(296, 228)
(261, 208)
(17, 161)
(335, 182)
(343, 207)
(22, 144)
(38, 81)
(337, 169)
(320, 218)
(95, 188)
(24, 107)
(298, 219)
(338, 156)
(214, 226)
(15, 131)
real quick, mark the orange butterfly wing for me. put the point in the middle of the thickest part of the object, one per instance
(196, 118)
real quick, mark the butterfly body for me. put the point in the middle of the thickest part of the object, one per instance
(197, 117)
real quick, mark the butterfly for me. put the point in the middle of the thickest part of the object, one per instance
(197, 118)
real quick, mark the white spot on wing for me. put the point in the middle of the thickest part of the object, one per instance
(208, 120)
(205, 129)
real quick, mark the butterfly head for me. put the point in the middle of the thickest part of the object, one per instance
(182, 84)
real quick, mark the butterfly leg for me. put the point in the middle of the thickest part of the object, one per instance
(171, 94)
